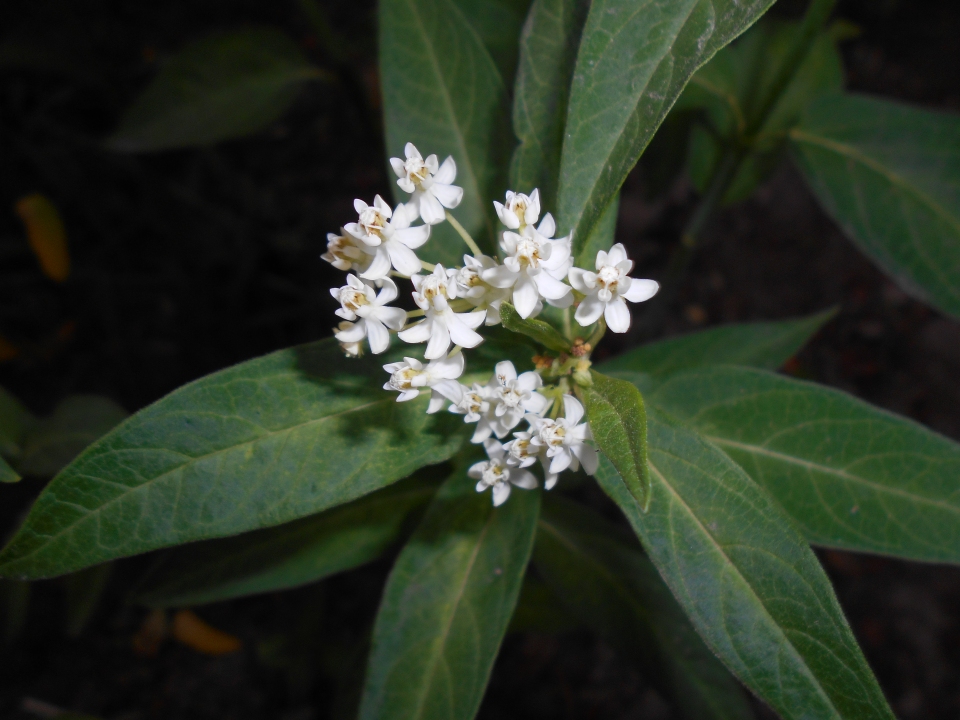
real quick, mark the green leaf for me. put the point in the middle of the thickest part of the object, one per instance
(287, 556)
(761, 344)
(729, 86)
(443, 92)
(601, 237)
(259, 444)
(633, 61)
(7, 473)
(498, 23)
(617, 592)
(53, 442)
(538, 330)
(14, 422)
(219, 88)
(748, 581)
(889, 174)
(548, 48)
(447, 605)
(540, 610)
(619, 426)
(850, 475)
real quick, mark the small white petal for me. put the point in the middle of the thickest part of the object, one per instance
(572, 409)
(379, 266)
(500, 494)
(500, 276)
(617, 315)
(448, 195)
(523, 479)
(431, 210)
(413, 237)
(416, 333)
(378, 335)
(404, 259)
(582, 280)
(439, 341)
(590, 310)
(461, 334)
(525, 296)
(588, 456)
(447, 173)
(641, 290)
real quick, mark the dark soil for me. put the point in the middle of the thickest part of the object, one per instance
(187, 262)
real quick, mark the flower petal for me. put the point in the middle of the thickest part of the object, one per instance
(393, 318)
(378, 335)
(460, 333)
(439, 341)
(413, 237)
(447, 173)
(403, 258)
(641, 290)
(548, 226)
(418, 333)
(505, 372)
(590, 310)
(572, 410)
(588, 456)
(379, 266)
(500, 276)
(617, 315)
(525, 295)
(500, 494)
(582, 280)
(431, 210)
(551, 288)
(448, 195)
(353, 333)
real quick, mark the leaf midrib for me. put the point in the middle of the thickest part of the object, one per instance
(746, 583)
(149, 483)
(826, 469)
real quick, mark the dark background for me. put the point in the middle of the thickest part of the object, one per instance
(185, 262)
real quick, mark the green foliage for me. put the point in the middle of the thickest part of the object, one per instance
(748, 581)
(447, 605)
(850, 475)
(287, 556)
(51, 443)
(760, 344)
(14, 423)
(729, 89)
(632, 63)
(619, 426)
(889, 174)
(615, 590)
(443, 92)
(548, 48)
(219, 88)
(542, 332)
(255, 445)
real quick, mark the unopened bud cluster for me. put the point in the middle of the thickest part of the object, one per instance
(453, 303)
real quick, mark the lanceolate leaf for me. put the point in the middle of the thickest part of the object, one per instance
(633, 61)
(762, 344)
(619, 426)
(615, 590)
(748, 581)
(287, 556)
(7, 473)
(219, 88)
(548, 48)
(442, 91)
(889, 174)
(498, 23)
(850, 475)
(256, 445)
(447, 605)
(538, 330)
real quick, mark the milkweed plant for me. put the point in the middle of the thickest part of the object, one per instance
(465, 404)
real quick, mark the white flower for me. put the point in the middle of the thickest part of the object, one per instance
(350, 349)
(564, 441)
(495, 473)
(501, 404)
(411, 376)
(441, 324)
(520, 210)
(387, 236)
(344, 252)
(432, 187)
(359, 301)
(533, 267)
(607, 289)
(479, 293)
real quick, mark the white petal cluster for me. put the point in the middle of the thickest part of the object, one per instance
(431, 186)
(454, 302)
(608, 288)
(495, 473)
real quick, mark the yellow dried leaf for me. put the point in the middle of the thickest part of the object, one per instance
(47, 236)
(196, 634)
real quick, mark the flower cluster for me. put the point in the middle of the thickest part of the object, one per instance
(452, 304)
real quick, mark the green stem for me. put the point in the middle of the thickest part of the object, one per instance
(567, 325)
(597, 334)
(474, 248)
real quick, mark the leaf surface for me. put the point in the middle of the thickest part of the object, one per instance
(618, 423)
(259, 444)
(633, 61)
(538, 330)
(287, 556)
(889, 174)
(852, 476)
(760, 344)
(747, 579)
(219, 88)
(447, 605)
(443, 91)
(615, 590)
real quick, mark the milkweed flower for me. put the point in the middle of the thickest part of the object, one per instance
(520, 210)
(496, 474)
(360, 303)
(439, 376)
(608, 288)
(387, 235)
(501, 404)
(344, 252)
(441, 324)
(350, 349)
(431, 185)
(534, 264)
(564, 441)
(478, 292)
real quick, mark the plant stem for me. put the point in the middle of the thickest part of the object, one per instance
(415, 313)
(597, 334)
(474, 248)
(817, 14)
(567, 326)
